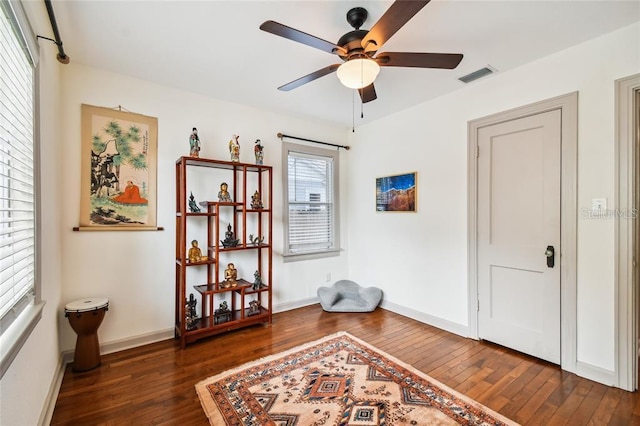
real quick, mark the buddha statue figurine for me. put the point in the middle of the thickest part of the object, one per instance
(193, 207)
(230, 239)
(256, 202)
(230, 276)
(223, 194)
(195, 254)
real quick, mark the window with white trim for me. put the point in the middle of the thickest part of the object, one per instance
(311, 201)
(18, 60)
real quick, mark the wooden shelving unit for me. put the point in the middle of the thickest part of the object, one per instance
(244, 179)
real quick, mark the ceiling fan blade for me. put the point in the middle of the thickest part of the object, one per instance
(299, 36)
(419, 60)
(368, 94)
(309, 77)
(400, 12)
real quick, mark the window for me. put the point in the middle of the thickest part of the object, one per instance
(18, 313)
(311, 202)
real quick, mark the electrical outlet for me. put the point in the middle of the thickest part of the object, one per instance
(328, 276)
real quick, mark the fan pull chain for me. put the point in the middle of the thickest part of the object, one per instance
(362, 93)
(353, 111)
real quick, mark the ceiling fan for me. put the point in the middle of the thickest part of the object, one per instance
(358, 49)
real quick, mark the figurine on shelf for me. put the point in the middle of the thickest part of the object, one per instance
(190, 309)
(258, 150)
(193, 206)
(254, 307)
(256, 241)
(257, 283)
(195, 254)
(230, 276)
(224, 307)
(230, 239)
(234, 148)
(223, 194)
(194, 144)
(222, 314)
(256, 202)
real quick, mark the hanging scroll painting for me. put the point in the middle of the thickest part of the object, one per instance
(119, 163)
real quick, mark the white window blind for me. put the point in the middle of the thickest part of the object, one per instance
(17, 193)
(311, 200)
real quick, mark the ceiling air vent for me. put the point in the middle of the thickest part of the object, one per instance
(482, 72)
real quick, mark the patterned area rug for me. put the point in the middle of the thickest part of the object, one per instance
(337, 380)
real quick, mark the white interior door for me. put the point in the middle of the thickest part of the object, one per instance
(518, 217)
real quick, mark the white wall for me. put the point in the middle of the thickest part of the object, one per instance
(422, 257)
(136, 270)
(25, 386)
(419, 260)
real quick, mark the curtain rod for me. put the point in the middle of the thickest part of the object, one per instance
(281, 135)
(62, 57)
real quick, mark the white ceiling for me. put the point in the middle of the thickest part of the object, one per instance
(215, 48)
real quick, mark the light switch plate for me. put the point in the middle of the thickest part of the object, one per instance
(599, 204)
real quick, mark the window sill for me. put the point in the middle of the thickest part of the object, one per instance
(296, 257)
(17, 334)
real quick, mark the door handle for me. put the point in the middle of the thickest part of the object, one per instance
(550, 252)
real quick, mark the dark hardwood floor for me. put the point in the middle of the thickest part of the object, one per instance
(154, 384)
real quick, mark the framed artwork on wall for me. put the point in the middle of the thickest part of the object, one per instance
(119, 163)
(397, 193)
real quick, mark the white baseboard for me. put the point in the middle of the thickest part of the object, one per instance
(66, 357)
(52, 396)
(597, 374)
(126, 343)
(588, 371)
(135, 341)
(282, 307)
(451, 327)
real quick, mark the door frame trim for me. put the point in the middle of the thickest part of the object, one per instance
(568, 106)
(626, 298)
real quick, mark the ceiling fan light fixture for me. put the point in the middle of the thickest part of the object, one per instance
(358, 73)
